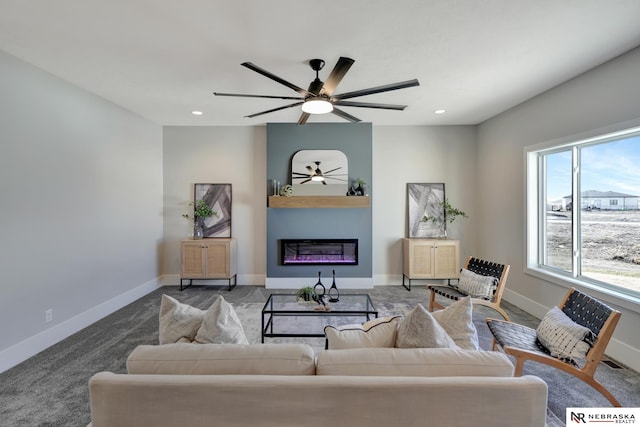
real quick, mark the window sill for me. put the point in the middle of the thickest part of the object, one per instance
(606, 295)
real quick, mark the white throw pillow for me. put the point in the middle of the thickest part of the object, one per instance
(418, 329)
(178, 322)
(221, 325)
(477, 285)
(379, 332)
(457, 321)
(564, 338)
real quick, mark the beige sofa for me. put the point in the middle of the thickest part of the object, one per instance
(288, 385)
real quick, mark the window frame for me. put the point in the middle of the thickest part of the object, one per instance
(535, 212)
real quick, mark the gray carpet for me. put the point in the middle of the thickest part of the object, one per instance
(51, 388)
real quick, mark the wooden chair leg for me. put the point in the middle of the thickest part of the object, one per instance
(519, 366)
(432, 299)
(606, 393)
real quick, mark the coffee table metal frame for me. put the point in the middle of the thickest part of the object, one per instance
(275, 307)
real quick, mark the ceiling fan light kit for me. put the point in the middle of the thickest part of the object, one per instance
(319, 97)
(317, 105)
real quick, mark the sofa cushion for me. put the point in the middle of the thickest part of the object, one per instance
(178, 322)
(418, 329)
(563, 337)
(222, 359)
(221, 325)
(379, 332)
(477, 285)
(457, 321)
(427, 362)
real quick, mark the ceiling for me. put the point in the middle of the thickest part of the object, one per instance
(164, 58)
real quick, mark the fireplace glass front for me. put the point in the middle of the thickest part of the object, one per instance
(319, 251)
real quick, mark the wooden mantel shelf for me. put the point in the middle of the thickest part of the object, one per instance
(319, 202)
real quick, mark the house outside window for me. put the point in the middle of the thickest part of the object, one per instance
(596, 245)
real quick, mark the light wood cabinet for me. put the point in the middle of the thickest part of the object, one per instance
(209, 259)
(430, 259)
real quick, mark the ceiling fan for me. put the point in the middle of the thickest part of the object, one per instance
(319, 97)
(316, 175)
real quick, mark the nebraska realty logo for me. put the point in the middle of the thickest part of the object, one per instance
(602, 416)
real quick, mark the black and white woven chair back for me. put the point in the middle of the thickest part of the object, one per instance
(485, 268)
(586, 311)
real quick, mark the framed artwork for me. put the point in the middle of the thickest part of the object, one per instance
(426, 210)
(218, 198)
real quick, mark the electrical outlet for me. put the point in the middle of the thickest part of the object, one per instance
(48, 315)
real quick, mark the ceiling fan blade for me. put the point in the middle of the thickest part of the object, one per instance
(303, 118)
(370, 105)
(324, 182)
(306, 180)
(256, 96)
(272, 76)
(275, 109)
(345, 115)
(378, 89)
(336, 75)
(303, 175)
(332, 170)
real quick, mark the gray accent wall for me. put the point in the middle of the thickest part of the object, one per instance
(283, 141)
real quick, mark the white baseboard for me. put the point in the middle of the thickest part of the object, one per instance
(387, 279)
(31, 346)
(617, 350)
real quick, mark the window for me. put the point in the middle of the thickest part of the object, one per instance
(583, 212)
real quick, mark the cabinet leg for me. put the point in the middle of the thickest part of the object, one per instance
(409, 281)
(185, 287)
(235, 281)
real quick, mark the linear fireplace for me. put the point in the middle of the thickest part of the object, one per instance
(319, 251)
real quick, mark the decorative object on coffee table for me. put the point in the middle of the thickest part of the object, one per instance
(319, 288)
(334, 294)
(305, 294)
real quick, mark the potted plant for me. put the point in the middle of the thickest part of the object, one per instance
(361, 189)
(201, 211)
(451, 213)
(305, 294)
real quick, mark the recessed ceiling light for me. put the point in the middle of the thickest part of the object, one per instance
(440, 111)
(197, 113)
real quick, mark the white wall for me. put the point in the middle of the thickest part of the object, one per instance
(598, 99)
(404, 154)
(80, 208)
(235, 155)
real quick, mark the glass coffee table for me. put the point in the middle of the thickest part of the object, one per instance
(284, 316)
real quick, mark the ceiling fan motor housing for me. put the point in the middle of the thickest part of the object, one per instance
(316, 64)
